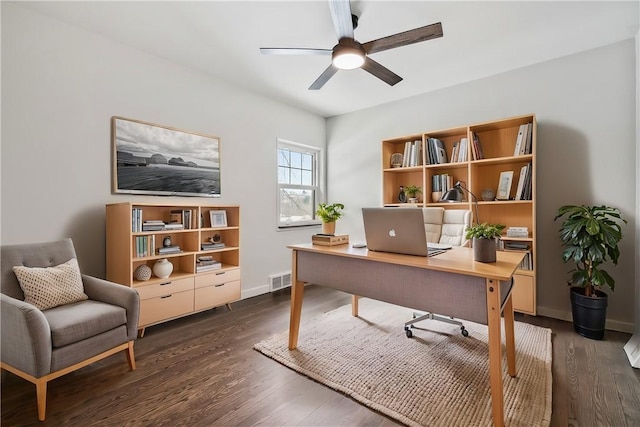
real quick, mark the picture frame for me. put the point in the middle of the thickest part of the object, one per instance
(163, 161)
(218, 218)
(504, 185)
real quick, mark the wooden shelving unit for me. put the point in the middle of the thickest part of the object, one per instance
(498, 140)
(185, 291)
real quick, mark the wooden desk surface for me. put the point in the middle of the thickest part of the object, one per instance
(455, 260)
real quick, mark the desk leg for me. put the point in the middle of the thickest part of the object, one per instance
(510, 337)
(297, 293)
(354, 305)
(495, 364)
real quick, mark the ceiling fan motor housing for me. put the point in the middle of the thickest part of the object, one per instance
(348, 54)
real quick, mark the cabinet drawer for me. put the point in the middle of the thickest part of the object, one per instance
(523, 297)
(215, 295)
(165, 288)
(217, 277)
(165, 307)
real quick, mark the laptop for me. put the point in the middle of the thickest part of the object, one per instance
(397, 230)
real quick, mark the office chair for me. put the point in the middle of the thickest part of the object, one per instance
(446, 227)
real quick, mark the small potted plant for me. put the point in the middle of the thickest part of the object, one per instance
(329, 214)
(483, 238)
(413, 191)
(590, 237)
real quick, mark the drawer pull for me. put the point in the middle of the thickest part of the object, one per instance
(217, 286)
(165, 284)
(220, 273)
(166, 296)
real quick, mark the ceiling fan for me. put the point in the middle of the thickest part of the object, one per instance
(349, 54)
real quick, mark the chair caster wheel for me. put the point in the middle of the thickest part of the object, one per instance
(408, 332)
(464, 332)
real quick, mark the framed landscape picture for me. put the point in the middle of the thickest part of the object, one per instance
(160, 160)
(504, 185)
(218, 218)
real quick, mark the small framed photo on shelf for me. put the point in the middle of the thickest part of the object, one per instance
(218, 218)
(504, 185)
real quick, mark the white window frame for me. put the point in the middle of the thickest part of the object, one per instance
(317, 188)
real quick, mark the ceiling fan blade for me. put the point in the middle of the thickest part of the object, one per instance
(416, 35)
(293, 51)
(324, 77)
(381, 72)
(341, 16)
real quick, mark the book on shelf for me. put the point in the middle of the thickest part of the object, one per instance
(462, 150)
(186, 217)
(174, 249)
(153, 225)
(523, 140)
(173, 226)
(522, 232)
(477, 148)
(216, 265)
(136, 220)
(437, 152)
(526, 145)
(211, 246)
(521, 181)
(412, 154)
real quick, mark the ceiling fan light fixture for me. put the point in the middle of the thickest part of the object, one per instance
(348, 56)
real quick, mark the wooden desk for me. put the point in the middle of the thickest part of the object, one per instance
(450, 283)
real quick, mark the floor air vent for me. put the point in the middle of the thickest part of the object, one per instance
(279, 281)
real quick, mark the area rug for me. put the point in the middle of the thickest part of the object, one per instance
(436, 378)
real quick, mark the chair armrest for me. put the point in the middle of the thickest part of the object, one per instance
(120, 295)
(26, 337)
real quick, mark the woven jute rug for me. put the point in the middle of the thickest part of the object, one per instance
(436, 378)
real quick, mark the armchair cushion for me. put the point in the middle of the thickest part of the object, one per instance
(71, 323)
(48, 287)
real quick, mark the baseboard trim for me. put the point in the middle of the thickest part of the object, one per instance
(254, 292)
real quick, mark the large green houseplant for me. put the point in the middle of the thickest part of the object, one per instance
(590, 237)
(483, 239)
(329, 214)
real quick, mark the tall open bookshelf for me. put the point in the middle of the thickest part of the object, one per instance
(480, 170)
(188, 289)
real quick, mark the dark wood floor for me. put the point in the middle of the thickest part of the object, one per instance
(202, 371)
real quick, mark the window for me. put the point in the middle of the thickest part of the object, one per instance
(298, 184)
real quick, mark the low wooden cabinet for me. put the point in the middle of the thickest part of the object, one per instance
(136, 235)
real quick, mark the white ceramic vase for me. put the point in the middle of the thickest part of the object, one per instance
(162, 268)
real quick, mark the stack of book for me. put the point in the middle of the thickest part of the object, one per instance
(207, 263)
(518, 232)
(173, 226)
(174, 249)
(207, 246)
(153, 225)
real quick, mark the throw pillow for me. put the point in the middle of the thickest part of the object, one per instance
(48, 287)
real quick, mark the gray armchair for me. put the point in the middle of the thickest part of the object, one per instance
(41, 345)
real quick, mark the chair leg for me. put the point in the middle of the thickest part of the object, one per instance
(41, 396)
(131, 357)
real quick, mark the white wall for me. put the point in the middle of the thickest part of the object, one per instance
(60, 87)
(586, 112)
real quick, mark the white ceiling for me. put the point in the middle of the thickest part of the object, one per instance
(480, 39)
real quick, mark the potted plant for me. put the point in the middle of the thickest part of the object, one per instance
(329, 214)
(413, 191)
(590, 237)
(483, 237)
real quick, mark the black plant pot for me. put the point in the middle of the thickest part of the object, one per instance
(589, 313)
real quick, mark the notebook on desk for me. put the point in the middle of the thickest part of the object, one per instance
(399, 231)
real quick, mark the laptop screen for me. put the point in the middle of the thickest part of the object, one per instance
(397, 230)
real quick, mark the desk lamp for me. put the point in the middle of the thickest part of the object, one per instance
(455, 195)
